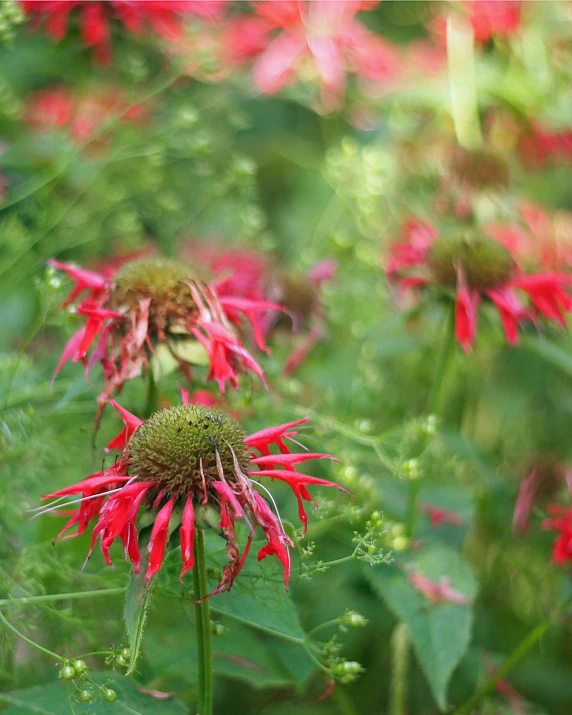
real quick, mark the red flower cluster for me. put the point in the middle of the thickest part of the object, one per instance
(478, 268)
(210, 463)
(82, 117)
(541, 146)
(152, 300)
(163, 16)
(322, 39)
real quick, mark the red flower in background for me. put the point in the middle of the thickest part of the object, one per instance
(148, 301)
(322, 38)
(478, 268)
(494, 17)
(539, 146)
(560, 520)
(95, 18)
(437, 591)
(191, 456)
(82, 117)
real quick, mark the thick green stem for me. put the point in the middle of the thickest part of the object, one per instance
(152, 394)
(399, 665)
(205, 696)
(462, 82)
(446, 352)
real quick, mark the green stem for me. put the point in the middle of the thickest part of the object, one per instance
(399, 664)
(519, 652)
(25, 600)
(413, 498)
(28, 640)
(152, 394)
(205, 698)
(462, 82)
(446, 353)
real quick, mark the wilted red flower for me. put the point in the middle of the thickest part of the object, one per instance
(194, 457)
(321, 39)
(478, 268)
(96, 16)
(437, 591)
(152, 300)
(81, 116)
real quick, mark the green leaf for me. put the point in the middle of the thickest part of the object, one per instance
(57, 699)
(258, 597)
(551, 352)
(240, 654)
(440, 632)
(137, 599)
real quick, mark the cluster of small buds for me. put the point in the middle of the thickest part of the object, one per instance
(372, 544)
(86, 690)
(410, 469)
(347, 671)
(11, 15)
(362, 485)
(351, 619)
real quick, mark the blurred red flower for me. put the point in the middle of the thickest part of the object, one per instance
(96, 16)
(478, 268)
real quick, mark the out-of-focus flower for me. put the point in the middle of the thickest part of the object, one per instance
(194, 457)
(251, 275)
(478, 268)
(153, 300)
(321, 40)
(560, 520)
(96, 16)
(543, 479)
(538, 238)
(438, 516)
(539, 147)
(488, 18)
(82, 116)
(437, 591)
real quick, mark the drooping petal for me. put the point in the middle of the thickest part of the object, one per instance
(466, 306)
(187, 536)
(273, 435)
(131, 422)
(290, 460)
(158, 539)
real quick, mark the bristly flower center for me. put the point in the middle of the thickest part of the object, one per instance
(177, 449)
(479, 169)
(164, 281)
(484, 263)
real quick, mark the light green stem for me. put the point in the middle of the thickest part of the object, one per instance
(35, 645)
(462, 82)
(399, 665)
(205, 695)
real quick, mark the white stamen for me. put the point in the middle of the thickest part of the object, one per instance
(298, 443)
(59, 505)
(39, 508)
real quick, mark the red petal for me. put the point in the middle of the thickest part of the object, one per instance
(158, 539)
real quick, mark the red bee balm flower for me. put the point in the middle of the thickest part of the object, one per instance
(151, 300)
(163, 16)
(326, 36)
(561, 521)
(188, 456)
(478, 268)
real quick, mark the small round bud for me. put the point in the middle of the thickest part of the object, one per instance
(401, 543)
(84, 696)
(80, 666)
(109, 695)
(121, 661)
(371, 549)
(353, 620)
(67, 672)
(126, 653)
(217, 629)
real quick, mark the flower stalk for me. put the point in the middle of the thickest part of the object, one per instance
(203, 625)
(462, 82)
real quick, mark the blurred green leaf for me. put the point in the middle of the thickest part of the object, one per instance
(440, 632)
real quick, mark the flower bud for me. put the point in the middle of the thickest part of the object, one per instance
(67, 672)
(353, 620)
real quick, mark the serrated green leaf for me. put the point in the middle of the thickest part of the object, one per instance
(54, 699)
(440, 632)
